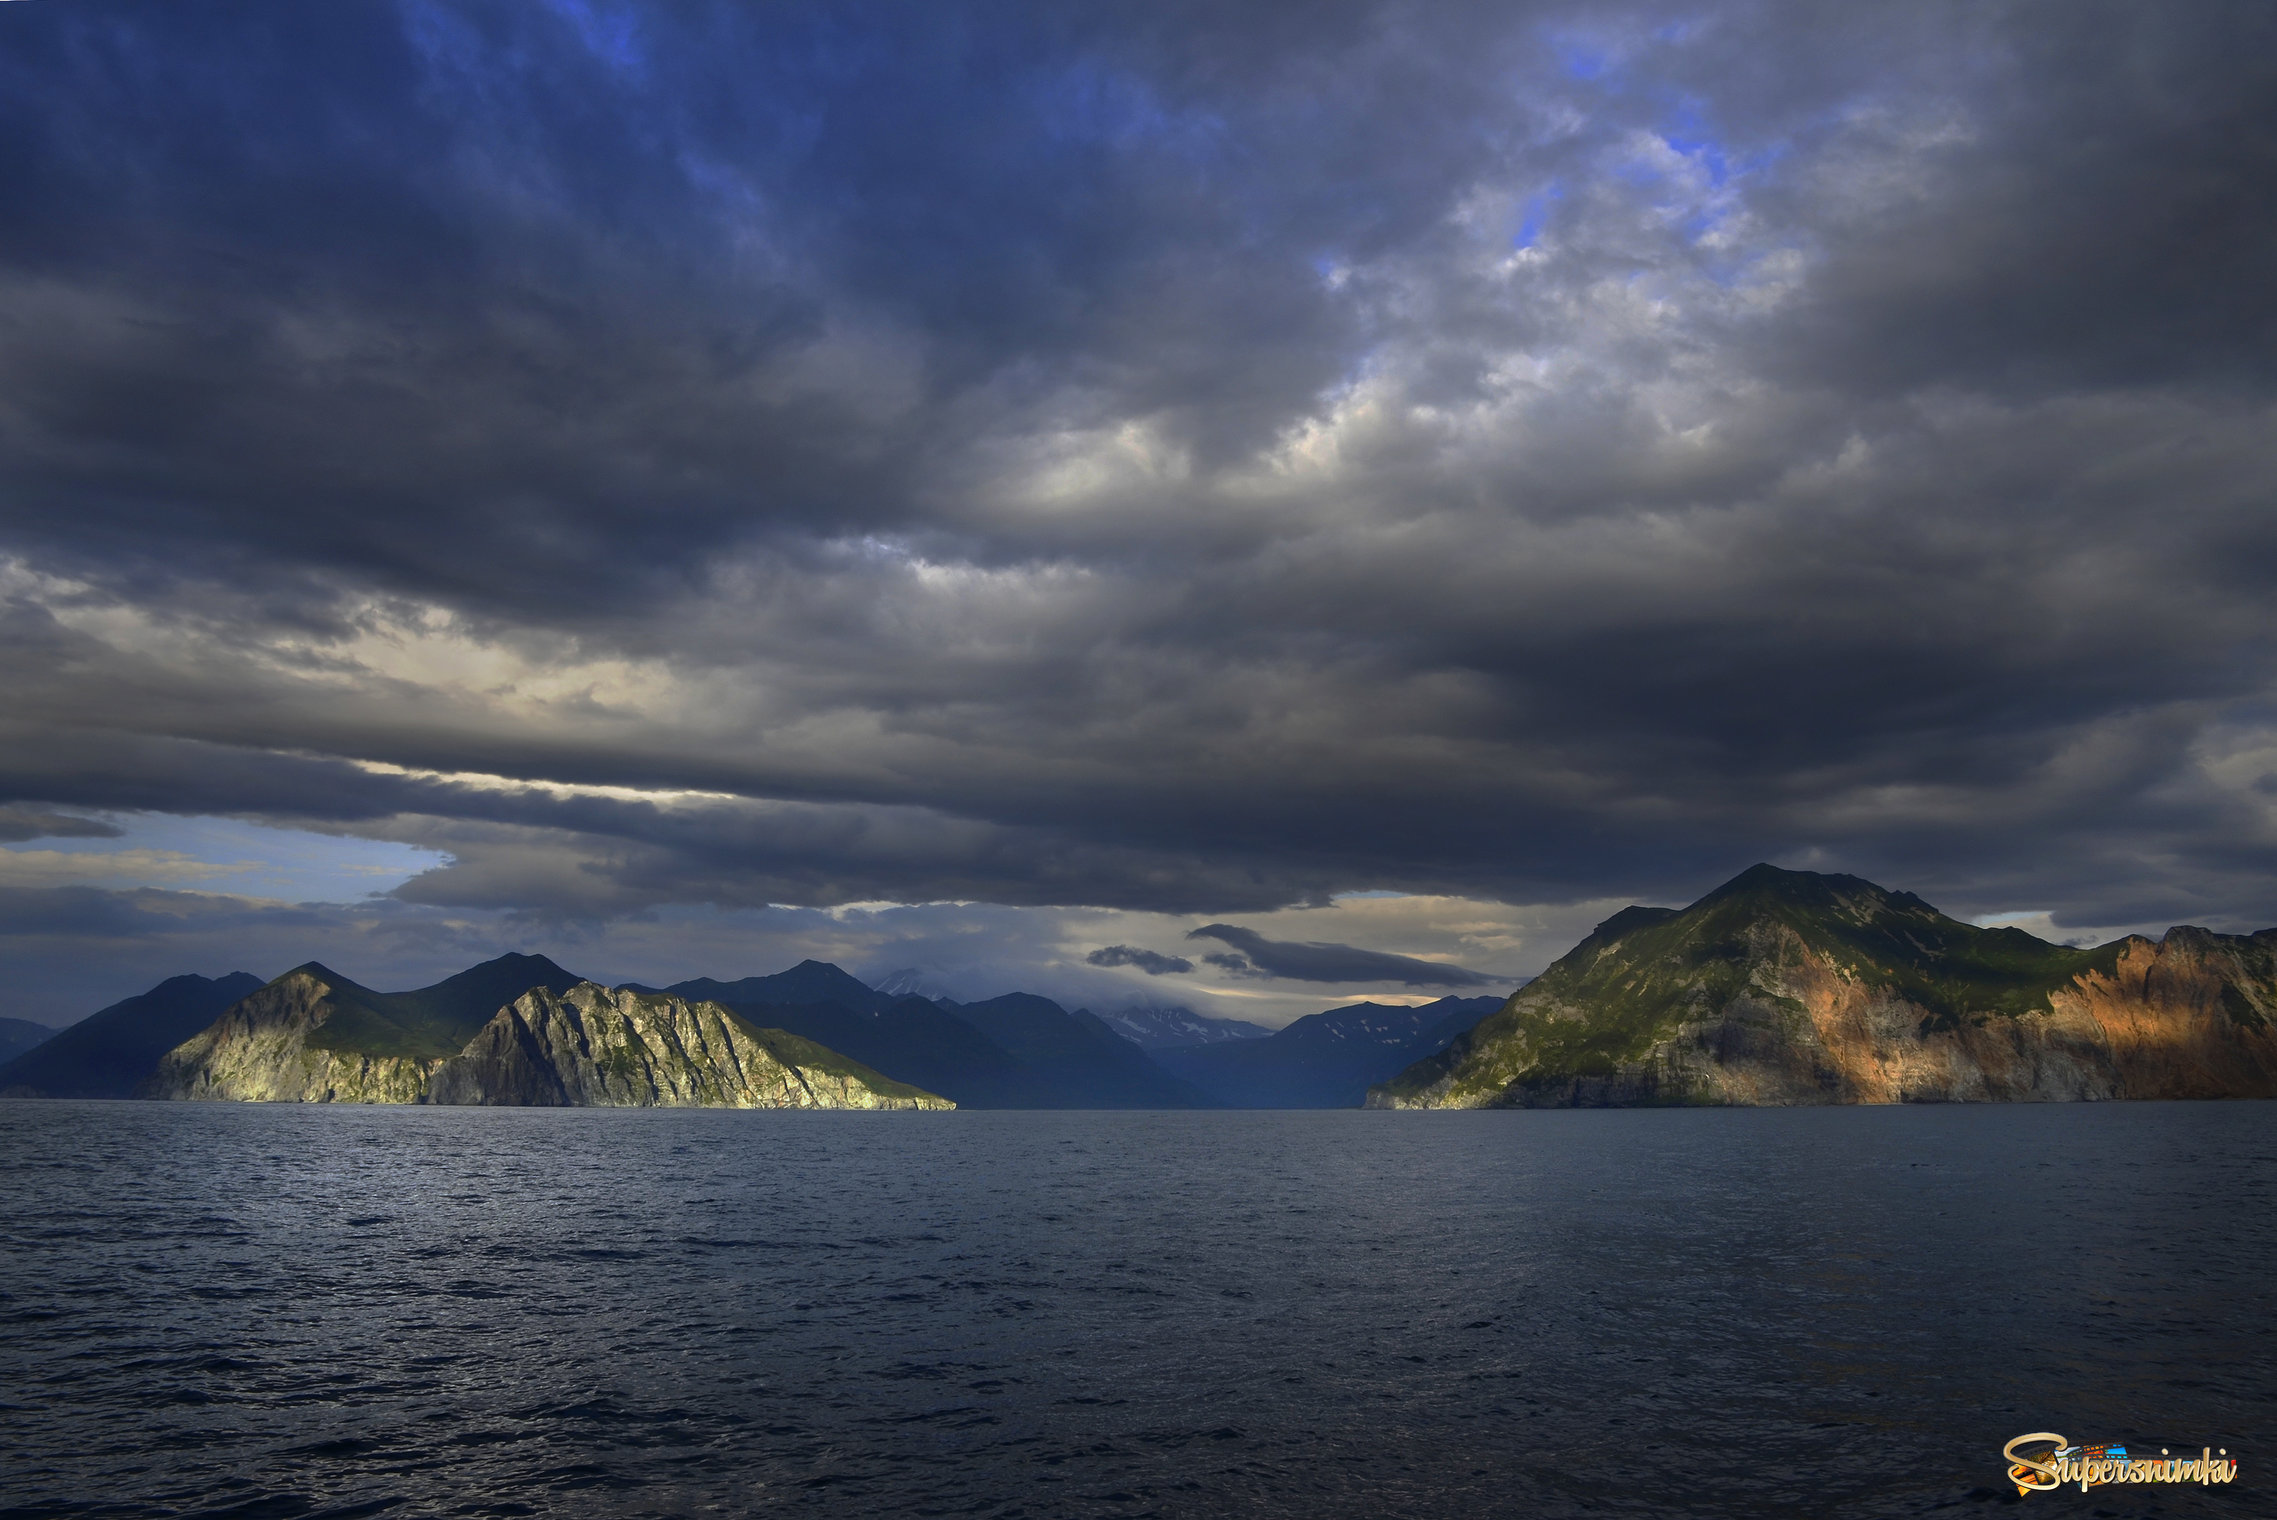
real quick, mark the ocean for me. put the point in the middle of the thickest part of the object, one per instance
(328, 1311)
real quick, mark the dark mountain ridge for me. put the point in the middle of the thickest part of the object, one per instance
(106, 1054)
(1016, 1051)
(20, 1035)
(810, 981)
(1328, 1059)
(429, 1022)
(1075, 1059)
(909, 1039)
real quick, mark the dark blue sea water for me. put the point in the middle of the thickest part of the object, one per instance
(283, 1311)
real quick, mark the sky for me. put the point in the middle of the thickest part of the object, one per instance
(1250, 507)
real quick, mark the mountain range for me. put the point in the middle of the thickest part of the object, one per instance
(1325, 1060)
(1780, 987)
(521, 1029)
(1791, 987)
(1015, 1051)
(1176, 1027)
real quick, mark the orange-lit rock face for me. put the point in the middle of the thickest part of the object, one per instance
(2189, 1018)
(1788, 988)
(2154, 1027)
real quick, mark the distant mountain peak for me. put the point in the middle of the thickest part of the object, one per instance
(910, 981)
(810, 981)
(1327, 1059)
(518, 960)
(1177, 1027)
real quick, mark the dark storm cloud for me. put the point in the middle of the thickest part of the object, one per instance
(21, 823)
(1190, 458)
(1293, 962)
(1153, 963)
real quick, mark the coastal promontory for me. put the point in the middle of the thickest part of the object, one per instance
(518, 1031)
(1791, 987)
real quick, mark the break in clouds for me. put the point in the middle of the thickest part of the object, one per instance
(1197, 462)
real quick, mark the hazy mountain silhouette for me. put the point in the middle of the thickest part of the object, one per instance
(106, 1054)
(1328, 1059)
(1175, 1027)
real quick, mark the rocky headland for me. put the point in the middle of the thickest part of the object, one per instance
(313, 1036)
(1790, 987)
(601, 1047)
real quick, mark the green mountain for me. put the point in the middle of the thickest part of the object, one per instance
(1016, 1051)
(1790, 987)
(314, 1036)
(109, 1053)
(432, 1022)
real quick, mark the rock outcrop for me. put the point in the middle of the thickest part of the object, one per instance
(595, 1046)
(313, 1036)
(1787, 987)
(273, 1047)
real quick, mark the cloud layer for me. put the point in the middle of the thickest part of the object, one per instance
(1151, 962)
(1314, 961)
(1173, 459)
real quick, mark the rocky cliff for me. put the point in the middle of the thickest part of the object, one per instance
(1788, 987)
(283, 1044)
(595, 1046)
(313, 1036)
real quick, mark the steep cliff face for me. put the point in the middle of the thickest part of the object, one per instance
(271, 1047)
(313, 1036)
(1788, 987)
(596, 1046)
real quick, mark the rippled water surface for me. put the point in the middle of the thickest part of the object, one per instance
(219, 1309)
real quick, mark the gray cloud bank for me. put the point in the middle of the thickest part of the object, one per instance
(1186, 458)
(19, 824)
(1315, 962)
(1153, 963)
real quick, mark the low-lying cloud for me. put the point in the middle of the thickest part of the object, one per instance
(1314, 962)
(1148, 961)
